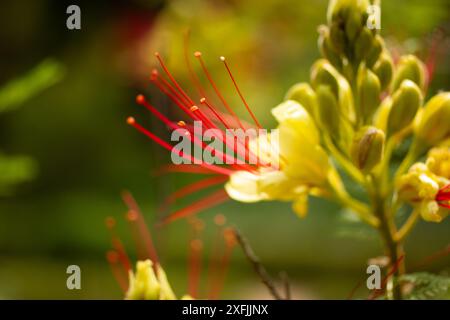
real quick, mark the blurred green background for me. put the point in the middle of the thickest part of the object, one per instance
(68, 94)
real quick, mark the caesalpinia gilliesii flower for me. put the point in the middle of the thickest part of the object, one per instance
(427, 185)
(148, 280)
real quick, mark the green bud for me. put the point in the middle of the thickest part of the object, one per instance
(323, 73)
(328, 115)
(369, 90)
(375, 51)
(305, 95)
(337, 38)
(411, 68)
(367, 148)
(363, 44)
(384, 68)
(405, 103)
(326, 48)
(432, 125)
(353, 25)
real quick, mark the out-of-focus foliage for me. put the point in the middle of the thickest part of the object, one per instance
(18, 169)
(427, 286)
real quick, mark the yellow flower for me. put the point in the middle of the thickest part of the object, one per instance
(305, 167)
(146, 285)
(426, 185)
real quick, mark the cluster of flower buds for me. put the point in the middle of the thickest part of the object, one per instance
(362, 104)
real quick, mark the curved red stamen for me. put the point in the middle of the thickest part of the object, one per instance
(443, 197)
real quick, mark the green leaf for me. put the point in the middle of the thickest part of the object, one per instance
(17, 91)
(14, 170)
(426, 286)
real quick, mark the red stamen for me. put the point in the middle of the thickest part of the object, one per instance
(198, 55)
(209, 201)
(117, 245)
(122, 278)
(161, 62)
(239, 92)
(443, 197)
(214, 261)
(230, 242)
(192, 74)
(140, 99)
(136, 218)
(170, 92)
(194, 187)
(131, 121)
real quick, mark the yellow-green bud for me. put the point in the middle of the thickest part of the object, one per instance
(384, 69)
(363, 44)
(367, 148)
(369, 90)
(375, 51)
(305, 95)
(327, 49)
(406, 101)
(328, 115)
(323, 73)
(411, 68)
(143, 285)
(433, 123)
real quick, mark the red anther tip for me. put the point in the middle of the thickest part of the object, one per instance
(140, 99)
(112, 256)
(229, 236)
(110, 222)
(197, 54)
(220, 219)
(194, 108)
(132, 215)
(181, 123)
(156, 54)
(153, 75)
(222, 58)
(202, 100)
(131, 120)
(196, 244)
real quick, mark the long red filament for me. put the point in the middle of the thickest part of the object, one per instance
(240, 93)
(135, 217)
(161, 62)
(194, 187)
(230, 243)
(131, 121)
(192, 74)
(198, 55)
(122, 278)
(209, 201)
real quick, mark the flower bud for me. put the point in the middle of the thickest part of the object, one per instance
(323, 73)
(363, 44)
(367, 148)
(305, 95)
(368, 87)
(143, 285)
(375, 51)
(328, 115)
(327, 49)
(406, 101)
(384, 69)
(432, 125)
(411, 68)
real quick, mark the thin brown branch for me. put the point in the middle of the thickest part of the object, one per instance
(257, 266)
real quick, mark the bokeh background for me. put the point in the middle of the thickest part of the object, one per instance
(66, 152)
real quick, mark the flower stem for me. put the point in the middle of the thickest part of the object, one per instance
(393, 245)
